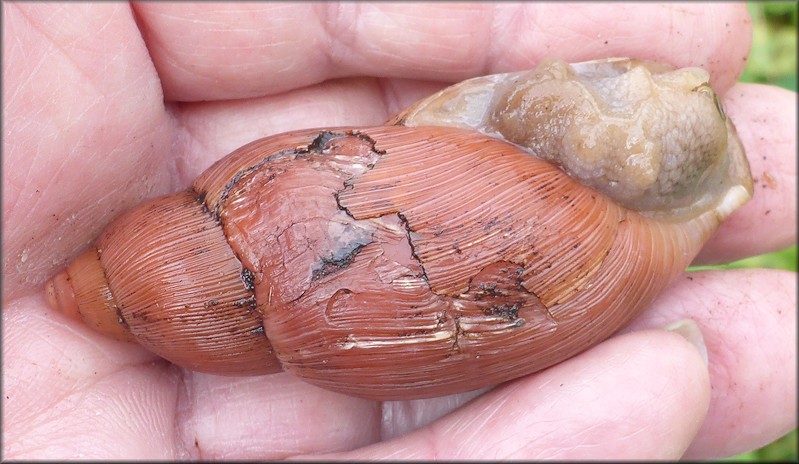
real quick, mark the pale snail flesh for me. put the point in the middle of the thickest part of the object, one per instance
(414, 259)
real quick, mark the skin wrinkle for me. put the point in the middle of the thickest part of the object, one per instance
(628, 438)
(720, 345)
(498, 21)
(583, 436)
(86, 187)
(544, 433)
(151, 396)
(205, 70)
(80, 393)
(436, 434)
(618, 422)
(143, 430)
(387, 95)
(73, 388)
(48, 418)
(676, 15)
(63, 48)
(10, 206)
(65, 164)
(339, 12)
(574, 444)
(37, 420)
(185, 430)
(597, 24)
(470, 425)
(501, 447)
(402, 417)
(186, 142)
(323, 39)
(651, 402)
(727, 350)
(11, 99)
(335, 33)
(224, 13)
(610, 420)
(26, 261)
(446, 38)
(44, 341)
(728, 360)
(79, 334)
(663, 392)
(151, 42)
(732, 381)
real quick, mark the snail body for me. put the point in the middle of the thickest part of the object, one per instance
(415, 259)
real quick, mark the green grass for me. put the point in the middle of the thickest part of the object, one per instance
(773, 56)
(783, 259)
(772, 61)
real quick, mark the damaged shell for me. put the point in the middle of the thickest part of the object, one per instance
(413, 260)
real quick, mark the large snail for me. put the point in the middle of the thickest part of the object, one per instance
(491, 230)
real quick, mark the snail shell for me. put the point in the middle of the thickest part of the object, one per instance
(414, 259)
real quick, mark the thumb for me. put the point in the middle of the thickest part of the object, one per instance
(641, 395)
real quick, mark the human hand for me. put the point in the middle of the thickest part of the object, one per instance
(100, 114)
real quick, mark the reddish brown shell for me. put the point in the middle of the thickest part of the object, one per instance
(387, 262)
(400, 262)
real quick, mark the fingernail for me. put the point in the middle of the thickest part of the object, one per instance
(690, 331)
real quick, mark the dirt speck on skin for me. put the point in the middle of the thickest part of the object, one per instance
(769, 180)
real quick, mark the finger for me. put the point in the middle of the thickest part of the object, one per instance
(748, 320)
(81, 123)
(765, 118)
(269, 417)
(278, 416)
(642, 395)
(72, 394)
(220, 52)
